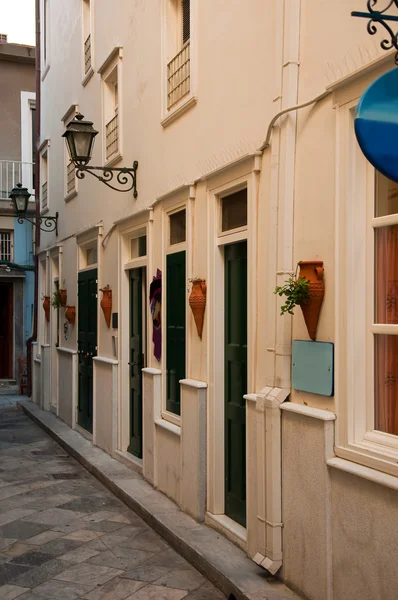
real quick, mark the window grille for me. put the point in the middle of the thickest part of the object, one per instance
(178, 76)
(5, 246)
(186, 21)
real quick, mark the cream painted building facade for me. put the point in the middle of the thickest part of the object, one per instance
(306, 483)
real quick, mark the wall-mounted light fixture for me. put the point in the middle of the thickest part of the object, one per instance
(80, 136)
(20, 197)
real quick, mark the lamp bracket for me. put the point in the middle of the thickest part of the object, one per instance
(126, 177)
(378, 16)
(44, 223)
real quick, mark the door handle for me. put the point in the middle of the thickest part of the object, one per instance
(133, 364)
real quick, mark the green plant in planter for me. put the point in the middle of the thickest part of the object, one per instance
(296, 291)
(56, 299)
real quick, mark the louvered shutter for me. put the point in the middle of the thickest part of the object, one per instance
(186, 21)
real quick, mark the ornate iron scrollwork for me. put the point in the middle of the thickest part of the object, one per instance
(125, 177)
(44, 223)
(377, 15)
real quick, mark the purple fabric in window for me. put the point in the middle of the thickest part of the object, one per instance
(155, 301)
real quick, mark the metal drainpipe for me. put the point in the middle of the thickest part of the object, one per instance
(33, 338)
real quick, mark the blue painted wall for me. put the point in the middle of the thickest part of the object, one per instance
(23, 255)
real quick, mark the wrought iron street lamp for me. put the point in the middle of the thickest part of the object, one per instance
(20, 197)
(80, 136)
(378, 15)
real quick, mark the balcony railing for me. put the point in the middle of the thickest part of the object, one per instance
(112, 137)
(70, 178)
(179, 76)
(87, 54)
(44, 196)
(13, 172)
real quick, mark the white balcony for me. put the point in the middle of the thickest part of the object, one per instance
(112, 137)
(13, 172)
(179, 76)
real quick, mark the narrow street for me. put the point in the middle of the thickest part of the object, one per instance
(64, 536)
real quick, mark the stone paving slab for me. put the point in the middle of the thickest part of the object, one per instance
(85, 543)
(210, 553)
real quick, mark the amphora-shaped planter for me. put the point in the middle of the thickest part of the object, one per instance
(106, 305)
(70, 314)
(47, 306)
(312, 270)
(63, 297)
(197, 302)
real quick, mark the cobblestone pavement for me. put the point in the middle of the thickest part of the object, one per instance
(64, 536)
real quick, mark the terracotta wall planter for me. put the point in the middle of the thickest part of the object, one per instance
(70, 314)
(197, 302)
(47, 306)
(312, 270)
(63, 297)
(106, 305)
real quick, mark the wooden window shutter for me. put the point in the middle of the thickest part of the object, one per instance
(186, 21)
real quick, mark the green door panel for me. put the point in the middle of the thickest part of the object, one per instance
(136, 362)
(86, 345)
(235, 260)
(176, 285)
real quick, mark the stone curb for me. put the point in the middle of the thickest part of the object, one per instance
(218, 559)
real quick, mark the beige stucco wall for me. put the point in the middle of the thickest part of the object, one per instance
(240, 84)
(307, 444)
(364, 538)
(104, 413)
(67, 387)
(340, 530)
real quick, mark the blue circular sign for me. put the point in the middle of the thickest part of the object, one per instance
(376, 124)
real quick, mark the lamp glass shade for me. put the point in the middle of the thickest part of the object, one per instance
(20, 197)
(79, 136)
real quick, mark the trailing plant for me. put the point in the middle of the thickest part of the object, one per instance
(296, 292)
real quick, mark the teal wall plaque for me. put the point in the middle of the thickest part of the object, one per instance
(313, 367)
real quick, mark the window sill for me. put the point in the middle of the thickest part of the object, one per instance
(45, 71)
(113, 160)
(70, 196)
(375, 459)
(364, 472)
(168, 426)
(87, 76)
(178, 110)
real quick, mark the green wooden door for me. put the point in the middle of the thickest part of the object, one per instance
(175, 322)
(86, 345)
(235, 257)
(136, 361)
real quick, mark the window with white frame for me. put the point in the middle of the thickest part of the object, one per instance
(176, 300)
(234, 211)
(112, 114)
(87, 38)
(44, 180)
(178, 42)
(45, 50)
(6, 245)
(367, 315)
(385, 227)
